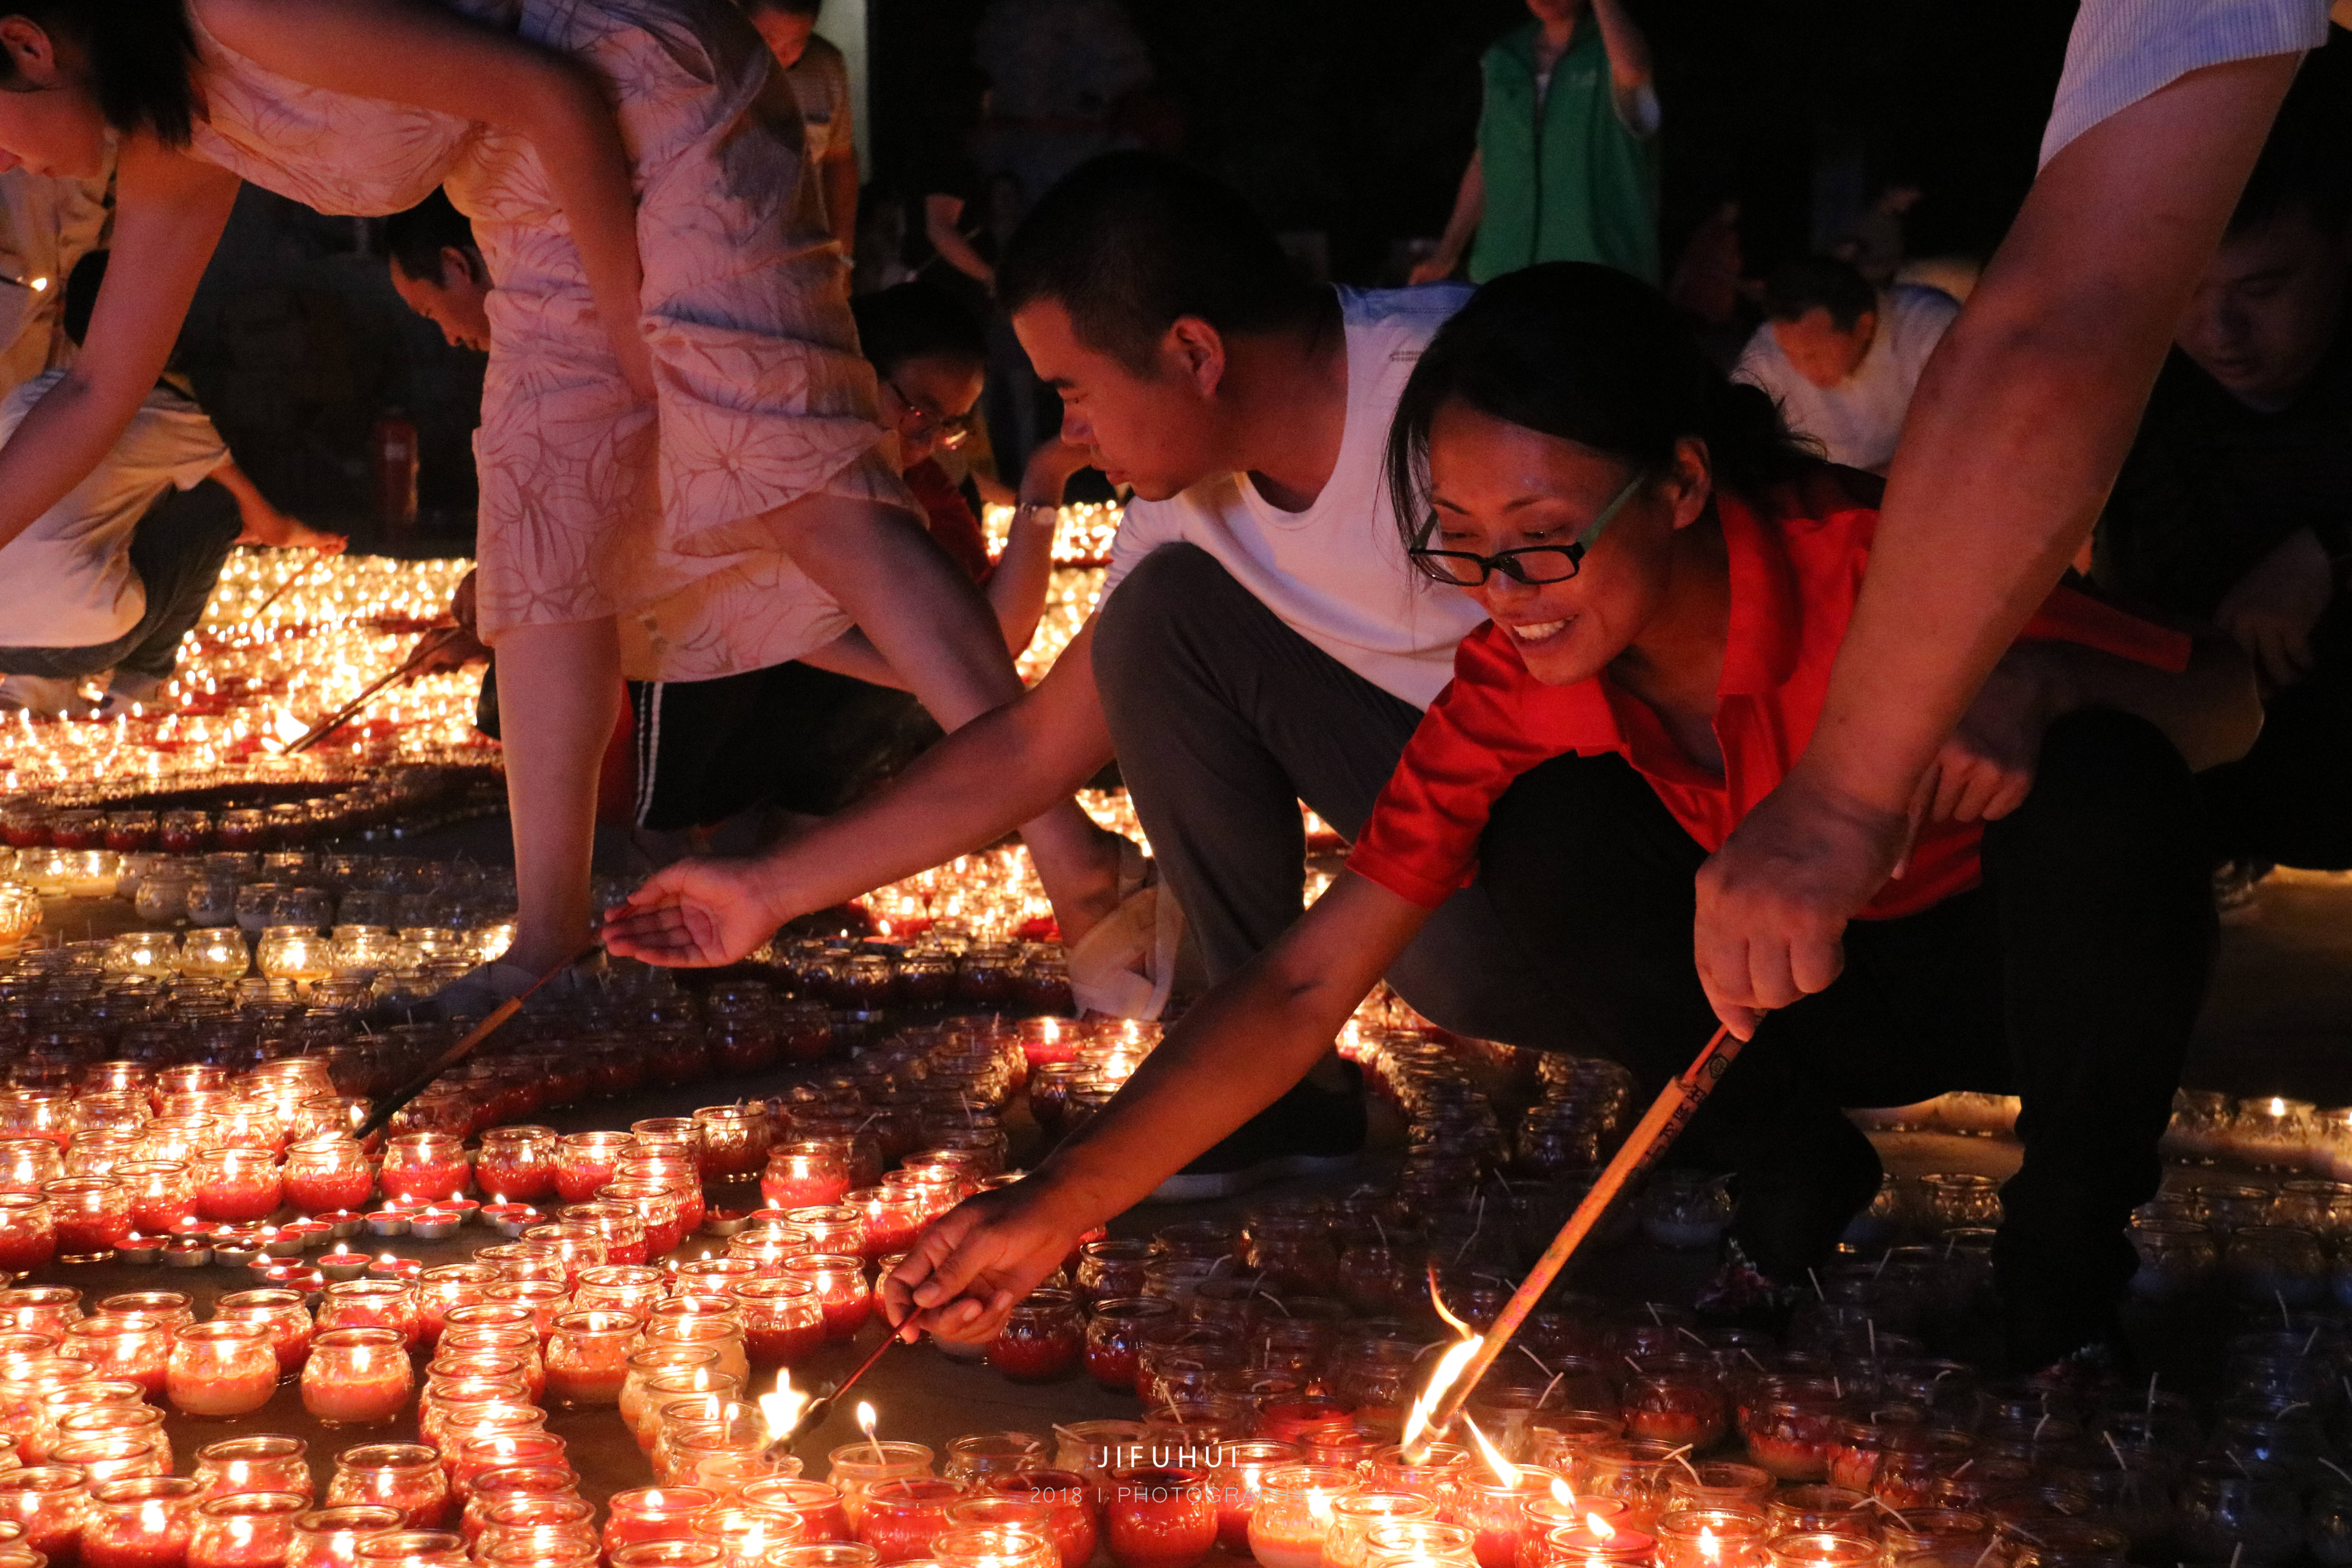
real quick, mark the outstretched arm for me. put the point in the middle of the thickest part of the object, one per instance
(1246, 1042)
(995, 773)
(264, 523)
(170, 210)
(436, 59)
(2014, 435)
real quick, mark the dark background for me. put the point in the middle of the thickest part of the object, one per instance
(1347, 118)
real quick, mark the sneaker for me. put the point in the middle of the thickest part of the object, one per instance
(1309, 1132)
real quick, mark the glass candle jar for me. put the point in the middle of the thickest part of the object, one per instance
(993, 1546)
(114, 1457)
(842, 1291)
(105, 1408)
(51, 1504)
(127, 1345)
(92, 1215)
(1629, 1470)
(1115, 1334)
(283, 1312)
(28, 1236)
(783, 1320)
(370, 1304)
(264, 1464)
(331, 1537)
(1816, 1549)
(406, 1477)
(357, 1377)
(424, 1167)
(805, 1174)
(529, 1519)
(586, 1161)
(1042, 1339)
(647, 1514)
(1356, 1514)
(745, 1534)
(411, 1549)
(823, 1554)
(856, 1468)
(326, 1173)
(668, 1555)
(225, 1367)
(588, 1357)
(245, 1530)
(893, 1220)
(235, 1183)
(1681, 1408)
(518, 1164)
(1159, 1518)
(898, 1518)
(143, 1521)
(1710, 1537)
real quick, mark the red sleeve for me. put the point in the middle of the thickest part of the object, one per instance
(2069, 614)
(1422, 842)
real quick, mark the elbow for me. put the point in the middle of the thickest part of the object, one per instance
(2232, 719)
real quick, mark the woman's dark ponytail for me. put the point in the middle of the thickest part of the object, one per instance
(1595, 356)
(142, 58)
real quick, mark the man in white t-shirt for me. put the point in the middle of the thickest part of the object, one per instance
(819, 75)
(1263, 640)
(109, 580)
(1841, 358)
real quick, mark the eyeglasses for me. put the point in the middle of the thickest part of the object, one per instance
(1531, 564)
(951, 430)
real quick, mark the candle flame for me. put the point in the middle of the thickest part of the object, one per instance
(866, 1419)
(1708, 1547)
(1505, 1472)
(1449, 1368)
(1560, 1494)
(782, 1409)
(1599, 1526)
(2278, 1106)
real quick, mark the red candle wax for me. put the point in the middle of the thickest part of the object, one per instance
(1159, 1518)
(324, 1192)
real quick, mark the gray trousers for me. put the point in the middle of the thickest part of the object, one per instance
(1225, 719)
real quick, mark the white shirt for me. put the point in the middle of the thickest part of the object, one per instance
(66, 580)
(2122, 50)
(1337, 573)
(820, 82)
(1858, 420)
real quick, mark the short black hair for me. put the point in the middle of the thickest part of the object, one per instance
(416, 238)
(909, 320)
(81, 294)
(1129, 242)
(1818, 283)
(1589, 354)
(789, 7)
(142, 58)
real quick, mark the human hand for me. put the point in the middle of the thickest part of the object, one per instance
(969, 1269)
(1985, 770)
(696, 914)
(301, 535)
(1773, 902)
(1049, 470)
(2270, 610)
(1436, 270)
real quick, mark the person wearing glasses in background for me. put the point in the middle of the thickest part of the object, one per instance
(807, 737)
(1667, 576)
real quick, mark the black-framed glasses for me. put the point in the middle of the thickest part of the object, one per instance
(1531, 564)
(951, 430)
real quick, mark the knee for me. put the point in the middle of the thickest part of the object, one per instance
(1142, 623)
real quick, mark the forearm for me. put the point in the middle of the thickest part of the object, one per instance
(841, 199)
(1469, 206)
(2018, 426)
(1017, 588)
(980, 784)
(2211, 712)
(1628, 49)
(579, 143)
(1237, 1050)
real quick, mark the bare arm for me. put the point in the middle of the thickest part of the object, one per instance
(1239, 1048)
(840, 169)
(1469, 206)
(171, 209)
(987, 778)
(2014, 435)
(1016, 589)
(264, 523)
(1630, 70)
(435, 59)
(940, 211)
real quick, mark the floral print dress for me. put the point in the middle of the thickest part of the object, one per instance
(595, 504)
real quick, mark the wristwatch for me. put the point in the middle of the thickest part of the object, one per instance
(1020, 512)
(2334, 536)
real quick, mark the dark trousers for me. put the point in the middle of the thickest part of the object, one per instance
(177, 550)
(792, 735)
(2289, 800)
(2072, 976)
(1224, 720)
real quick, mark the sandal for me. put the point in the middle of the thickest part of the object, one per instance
(1124, 967)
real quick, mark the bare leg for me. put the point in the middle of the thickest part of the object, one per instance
(1079, 863)
(558, 698)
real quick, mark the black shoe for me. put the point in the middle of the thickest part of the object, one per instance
(1309, 1132)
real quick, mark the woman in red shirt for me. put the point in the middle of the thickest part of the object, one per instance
(1668, 577)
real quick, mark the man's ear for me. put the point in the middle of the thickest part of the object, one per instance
(32, 56)
(466, 260)
(1196, 351)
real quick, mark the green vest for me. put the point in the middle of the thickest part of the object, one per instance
(1578, 186)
